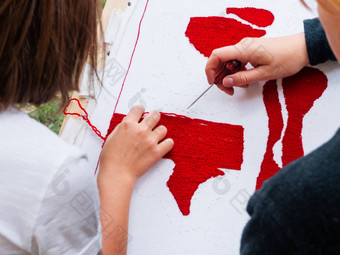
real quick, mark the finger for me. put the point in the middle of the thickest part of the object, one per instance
(136, 113)
(165, 146)
(113, 132)
(213, 68)
(246, 77)
(220, 56)
(229, 91)
(160, 132)
(152, 119)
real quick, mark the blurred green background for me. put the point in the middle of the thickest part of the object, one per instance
(48, 114)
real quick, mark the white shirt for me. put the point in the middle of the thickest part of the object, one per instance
(49, 201)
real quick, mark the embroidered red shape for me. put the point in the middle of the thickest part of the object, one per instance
(201, 148)
(275, 124)
(258, 17)
(300, 92)
(209, 33)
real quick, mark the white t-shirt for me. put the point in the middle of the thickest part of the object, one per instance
(49, 201)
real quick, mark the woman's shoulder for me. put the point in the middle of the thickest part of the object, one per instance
(42, 177)
(29, 142)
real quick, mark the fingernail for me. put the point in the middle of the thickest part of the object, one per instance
(228, 82)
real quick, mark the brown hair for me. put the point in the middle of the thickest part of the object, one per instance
(332, 6)
(43, 47)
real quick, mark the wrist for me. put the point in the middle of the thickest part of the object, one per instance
(303, 49)
(116, 174)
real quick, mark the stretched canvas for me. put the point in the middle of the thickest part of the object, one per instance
(194, 200)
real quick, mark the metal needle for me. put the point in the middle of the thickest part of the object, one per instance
(228, 68)
(200, 96)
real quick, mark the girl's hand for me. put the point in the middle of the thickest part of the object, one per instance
(130, 150)
(272, 58)
(134, 146)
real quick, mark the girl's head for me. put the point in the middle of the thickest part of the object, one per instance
(329, 12)
(43, 47)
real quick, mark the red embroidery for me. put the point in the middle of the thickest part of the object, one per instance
(300, 92)
(209, 33)
(271, 101)
(258, 17)
(201, 148)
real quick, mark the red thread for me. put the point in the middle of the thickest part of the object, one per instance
(201, 148)
(300, 92)
(209, 33)
(131, 59)
(85, 117)
(258, 17)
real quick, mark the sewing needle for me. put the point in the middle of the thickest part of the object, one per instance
(229, 67)
(200, 96)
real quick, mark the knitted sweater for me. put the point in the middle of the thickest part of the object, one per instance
(318, 48)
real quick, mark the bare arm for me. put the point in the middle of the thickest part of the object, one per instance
(129, 152)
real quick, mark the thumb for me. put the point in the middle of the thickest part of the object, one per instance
(245, 77)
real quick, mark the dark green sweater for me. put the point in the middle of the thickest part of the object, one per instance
(298, 210)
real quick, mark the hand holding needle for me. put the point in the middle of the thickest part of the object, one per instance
(229, 68)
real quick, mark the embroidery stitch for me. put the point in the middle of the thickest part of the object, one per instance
(209, 33)
(300, 92)
(258, 17)
(201, 148)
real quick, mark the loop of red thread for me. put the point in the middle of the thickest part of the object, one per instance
(84, 117)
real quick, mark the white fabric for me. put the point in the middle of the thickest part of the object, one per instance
(49, 201)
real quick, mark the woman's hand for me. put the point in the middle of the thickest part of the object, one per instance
(130, 150)
(272, 58)
(133, 147)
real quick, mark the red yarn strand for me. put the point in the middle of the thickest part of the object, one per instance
(131, 59)
(85, 117)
